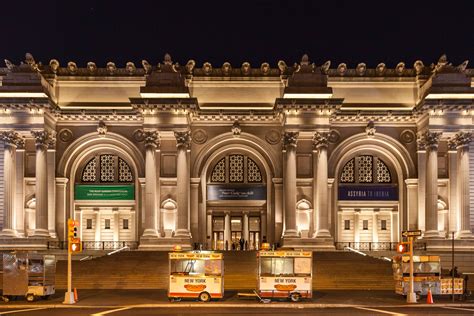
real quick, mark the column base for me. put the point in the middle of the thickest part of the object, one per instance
(7, 232)
(41, 233)
(52, 234)
(323, 233)
(465, 234)
(150, 233)
(182, 233)
(291, 233)
(432, 234)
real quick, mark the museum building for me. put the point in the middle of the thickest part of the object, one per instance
(306, 156)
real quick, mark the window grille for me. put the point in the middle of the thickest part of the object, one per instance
(218, 173)
(347, 175)
(107, 170)
(89, 171)
(236, 168)
(125, 174)
(253, 171)
(365, 169)
(383, 173)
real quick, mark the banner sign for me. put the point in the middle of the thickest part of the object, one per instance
(368, 193)
(226, 192)
(104, 192)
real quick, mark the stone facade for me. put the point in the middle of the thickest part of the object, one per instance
(305, 156)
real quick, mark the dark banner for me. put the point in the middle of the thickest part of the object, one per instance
(227, 192)
(368, 193)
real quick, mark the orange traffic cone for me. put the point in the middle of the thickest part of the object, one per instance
(75, 295)
(429, 297)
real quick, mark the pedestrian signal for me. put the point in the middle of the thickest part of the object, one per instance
(403, 247)
(75, 246)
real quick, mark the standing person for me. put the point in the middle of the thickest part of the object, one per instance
(241, 242)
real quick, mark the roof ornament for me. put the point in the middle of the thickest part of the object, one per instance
(72, 67)
(325, 67)
(245, 68)
(341, 69)
(29, 60)
(282, 66)
(207, 68)
(168, 65)
(265, 69)
(462, 67)
(400, 69)
(444, 66)
(419, 66)
(146, 66)
(304, 65)
(370, 128)
(111, 68)
(91, 67)
(380, 69)
(54, 65)
(361, 68)
(236, 129)
(9, 65)
(190, 66)
(102, 129)
(226, 68)
(130, 67)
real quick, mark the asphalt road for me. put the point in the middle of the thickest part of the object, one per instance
(274, 311)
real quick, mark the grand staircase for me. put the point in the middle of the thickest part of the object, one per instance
(149, 270)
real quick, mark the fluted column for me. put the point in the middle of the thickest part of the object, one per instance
(245, 227)
(42, 139)
(183, 142)
(51, 160)
(289, 141)
(431, 140)
(421, 154)
(11, 140)
(152, 142)
(227, 232)
(20, 190)
(462, 141)
(453, 216)
(320, 143)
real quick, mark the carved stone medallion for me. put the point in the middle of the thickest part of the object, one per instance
(407, 136)
(65, 135)
(199, 136)
(138, 135)
(273, 137)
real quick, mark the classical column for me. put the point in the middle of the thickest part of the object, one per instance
(356, 226)
(289, 142)
(227, 232)
(320, 142)
(11, 140)
(42, 139)
(98, 225)
(194, 210)
(152, 141)
(245, 227)
(462, 141)
(454, 211)
(51, 160)
(61, 208)
(375, 226)
(116, 213)
(431, 140)
(183, 141)
(421, 154)
(20, 190)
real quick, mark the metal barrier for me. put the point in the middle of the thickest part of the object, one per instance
(96, 245)
(375, 246)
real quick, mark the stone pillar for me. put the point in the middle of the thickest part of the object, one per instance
(227, 232)
(320, 142)
(454, 212)
(278, 215)
(462, 141)
(412, 203)
(116, 225)
(245, 227)
(431, 140)
(183, 141)
(152, 141)
(421, 154)
(356, 226)
(97, 226)
(375, 227)
(20, 190)
(51, 160)
(11, 140)
(194, 209)
(61, 208)
(289, 141)
(42, 140)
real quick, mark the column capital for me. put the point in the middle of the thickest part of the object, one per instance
(290, 139)
(320, 140)
(12, 138)
(43, 138)
(452, 145)
(151, 139)
(429, 140)
(183, 139)
(462, 139)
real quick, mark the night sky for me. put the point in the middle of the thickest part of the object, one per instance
(237, 31)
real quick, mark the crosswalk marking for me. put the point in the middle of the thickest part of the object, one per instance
(459, 308)
(111, 311)
(23, 310)
(380, 311)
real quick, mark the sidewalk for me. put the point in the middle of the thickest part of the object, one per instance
(151, 298)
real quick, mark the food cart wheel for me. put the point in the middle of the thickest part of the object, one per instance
(30, 297)
(204, 297)
(295, 297)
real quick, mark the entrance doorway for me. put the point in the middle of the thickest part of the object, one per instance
(239, 232)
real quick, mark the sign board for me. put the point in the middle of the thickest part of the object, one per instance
(104, 192)
(368, 193)
(411, 233)
(229, 192)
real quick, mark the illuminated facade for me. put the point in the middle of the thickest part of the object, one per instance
(305, 156)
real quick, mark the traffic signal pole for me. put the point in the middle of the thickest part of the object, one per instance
(69, 296)
(73, 245)
(411, 296)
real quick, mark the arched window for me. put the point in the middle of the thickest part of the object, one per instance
(365, 169)
(107, 168)
(236, 168)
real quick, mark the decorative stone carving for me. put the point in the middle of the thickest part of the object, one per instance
(199, 136)
(400, 69)
(130, 67)
(72, 67)
(282, 66)
(102, 129)
(226, 69)
(407, 136)
(462, 67)
(52, 140)
(452, 145)
(138, 135)
(341, 69)
(334, 136)
(380, 69)
(290, 139)
(9, 65)
(361, 68)
(431, 139)
(91, 67)
(370, 128)
(42, 138)
(236, 130)
(207, 68)
(65, 135)
(168, 65)
(325, 67)
(151, 139)
(54, 65)
(462, 139)
(12, 138)
(265, 69)
(245, 69)
(111, 68)
(419, 66)
(146, 66)
(190, 66)
(30, 61)
(183, 139)
(320, 140)
(273, 137)
(444, 66)
(420, 142)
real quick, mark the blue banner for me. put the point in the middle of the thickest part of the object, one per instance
(368, 193)
(229, 192)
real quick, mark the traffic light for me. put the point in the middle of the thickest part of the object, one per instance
(403, 247)
(72, 229)
(75, 246)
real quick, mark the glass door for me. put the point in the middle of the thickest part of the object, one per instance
(236, 232)
(254, 233)
(218, 233)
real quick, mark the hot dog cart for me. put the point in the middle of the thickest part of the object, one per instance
(426, 275)
(28, 274)
(285, 274)
(196, 274)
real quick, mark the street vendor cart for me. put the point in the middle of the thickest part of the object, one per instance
(28, 274)
(285, 274)
(427, 275)
(196, 274)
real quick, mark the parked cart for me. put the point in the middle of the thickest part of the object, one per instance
(28, 274)
(427, 275)
(197, 274)
(285, 274)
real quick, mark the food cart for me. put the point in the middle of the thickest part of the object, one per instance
(196, 274)
(426, 275)
(28, 274)
(285, 274)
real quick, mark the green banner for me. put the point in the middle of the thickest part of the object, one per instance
(104, 192)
